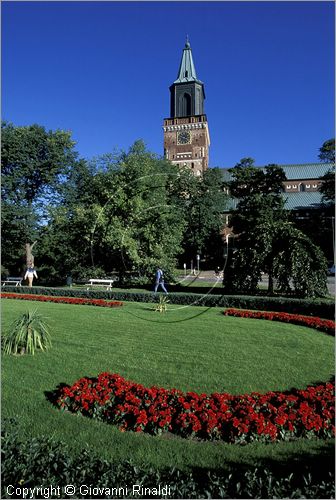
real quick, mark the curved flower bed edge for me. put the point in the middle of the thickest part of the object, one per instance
(324, 325)
(236, 419)
(63, 300)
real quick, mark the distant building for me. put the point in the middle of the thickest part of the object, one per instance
(186, 132)
(300, 190)
(187, 142)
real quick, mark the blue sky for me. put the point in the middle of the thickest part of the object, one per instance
(103, 71)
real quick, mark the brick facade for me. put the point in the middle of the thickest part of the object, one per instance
(194, 151)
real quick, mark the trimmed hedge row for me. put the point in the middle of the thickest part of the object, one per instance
(42, 462)
(318, 307)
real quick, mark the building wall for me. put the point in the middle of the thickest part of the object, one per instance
(195, 153)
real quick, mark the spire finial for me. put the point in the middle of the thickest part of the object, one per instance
(187, 44)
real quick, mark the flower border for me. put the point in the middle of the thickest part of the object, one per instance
(63, 300)
(241, 419)
(324, 325)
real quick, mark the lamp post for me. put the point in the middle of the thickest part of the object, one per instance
(333, 235)
(227, 252)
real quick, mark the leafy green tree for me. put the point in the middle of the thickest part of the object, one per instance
(262, 228)
(327, 151)
(327, 187)
(203, 201)
(260, 207)
(327, 154)
(119, 214)
(299, 265)
(34, 162)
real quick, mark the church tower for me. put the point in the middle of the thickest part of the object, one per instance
(186, 133)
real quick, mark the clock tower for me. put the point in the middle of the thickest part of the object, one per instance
(186, 133)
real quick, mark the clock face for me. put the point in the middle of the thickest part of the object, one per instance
(183, 137)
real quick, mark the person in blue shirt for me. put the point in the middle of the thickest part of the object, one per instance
(159, 281)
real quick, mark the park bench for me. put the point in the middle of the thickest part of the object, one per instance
(96, 282)
(12, 281)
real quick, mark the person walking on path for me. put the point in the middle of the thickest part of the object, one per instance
(159, 281)
(30, 274)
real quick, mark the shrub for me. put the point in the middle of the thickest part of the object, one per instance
(322, 308)
(43, 461)
(28, 333)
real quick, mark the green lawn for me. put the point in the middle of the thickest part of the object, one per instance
(190, 348)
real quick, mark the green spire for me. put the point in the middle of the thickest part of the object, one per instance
(187, 72)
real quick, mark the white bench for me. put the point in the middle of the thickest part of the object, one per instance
(95, 282)
(12, 281)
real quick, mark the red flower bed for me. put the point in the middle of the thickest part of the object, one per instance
(63, 300)
(325, 325)
(235, 419)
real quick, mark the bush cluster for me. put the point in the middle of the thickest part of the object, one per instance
(44, 461)
(273, 416)
(317, 307)
(324, 325)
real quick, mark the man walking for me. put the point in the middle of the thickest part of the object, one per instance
(159, 281)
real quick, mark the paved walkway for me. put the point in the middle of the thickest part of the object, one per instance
(210, 276)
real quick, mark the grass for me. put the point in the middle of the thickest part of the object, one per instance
(190, 348)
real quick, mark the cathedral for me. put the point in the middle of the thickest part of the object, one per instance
(187, 140)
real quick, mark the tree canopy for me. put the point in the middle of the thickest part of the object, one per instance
(266, 241)
(327, 151)
(34, 162)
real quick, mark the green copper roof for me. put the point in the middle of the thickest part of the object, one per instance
(297, 172)
(306, 170)
(187, 72)
(299, 201)
(293, 201)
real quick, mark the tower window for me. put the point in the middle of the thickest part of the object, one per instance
(185, 104)
(186, 74)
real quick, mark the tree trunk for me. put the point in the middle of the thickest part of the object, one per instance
(29, 255)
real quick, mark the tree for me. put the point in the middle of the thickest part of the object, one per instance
(202, 201)
(34, 163)
(327, 154)
(327, 187)
(327, 151)
(118, 214)
(299, 265)
(262, 228)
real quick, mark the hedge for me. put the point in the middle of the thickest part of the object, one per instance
(43, 461)
(322, 308)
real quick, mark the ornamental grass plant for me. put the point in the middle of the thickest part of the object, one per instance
(161, 307)
(27, 333)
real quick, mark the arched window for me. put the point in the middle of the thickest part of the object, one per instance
(185, 104)
(302, 187)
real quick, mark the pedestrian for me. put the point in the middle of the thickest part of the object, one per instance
(30, 274)
(159, 281)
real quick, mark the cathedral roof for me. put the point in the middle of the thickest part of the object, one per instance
(303, 171)
(187, 72)
(296, 200)
(293, 201)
